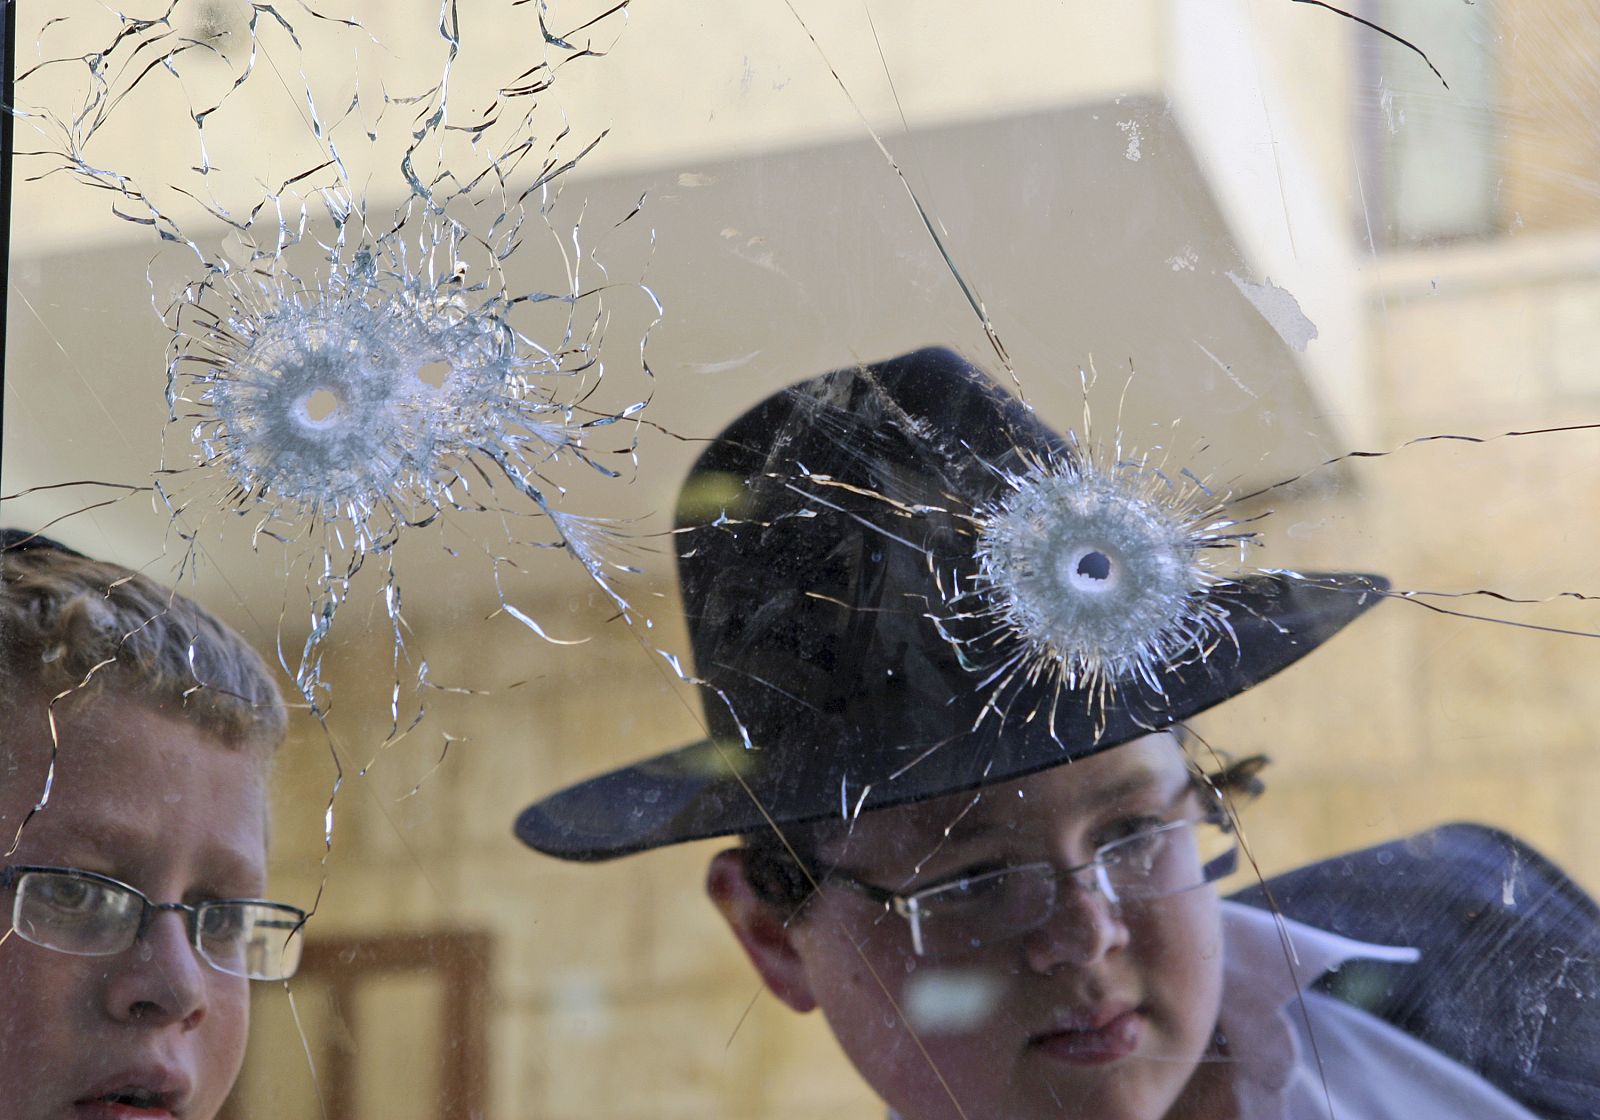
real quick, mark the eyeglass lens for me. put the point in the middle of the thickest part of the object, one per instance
(75, 915)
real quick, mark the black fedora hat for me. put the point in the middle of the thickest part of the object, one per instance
(865, 629)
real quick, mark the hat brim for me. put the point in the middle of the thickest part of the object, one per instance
(721, 787)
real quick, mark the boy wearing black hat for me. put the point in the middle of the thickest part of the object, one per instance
(946, 655)
(138, 731)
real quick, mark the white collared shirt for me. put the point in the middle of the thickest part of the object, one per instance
(1304, 1055)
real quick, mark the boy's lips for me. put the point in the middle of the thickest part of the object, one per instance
(1102, 1036)
(143, 1093)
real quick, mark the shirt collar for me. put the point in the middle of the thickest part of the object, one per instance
(1270, 961)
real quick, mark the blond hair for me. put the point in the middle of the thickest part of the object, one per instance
(70, 624)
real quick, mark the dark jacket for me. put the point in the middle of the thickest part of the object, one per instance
(1509, 979)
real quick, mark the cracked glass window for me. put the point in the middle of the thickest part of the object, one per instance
(1033, 564)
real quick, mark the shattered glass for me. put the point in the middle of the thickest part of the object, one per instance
(347, 359)
(389, 332)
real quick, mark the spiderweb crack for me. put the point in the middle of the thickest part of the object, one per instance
(343, 371)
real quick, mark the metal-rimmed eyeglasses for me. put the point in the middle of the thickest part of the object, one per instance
(971, 912)
(88, 914)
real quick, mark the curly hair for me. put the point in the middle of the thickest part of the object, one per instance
(72, 625)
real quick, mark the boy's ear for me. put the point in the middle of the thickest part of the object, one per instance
(767, 939)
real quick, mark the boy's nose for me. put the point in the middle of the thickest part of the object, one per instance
(161, 979)
(1084, 928)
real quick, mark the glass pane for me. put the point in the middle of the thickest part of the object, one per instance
(392, 336)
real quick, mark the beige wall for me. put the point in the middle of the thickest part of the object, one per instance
(1549, 89)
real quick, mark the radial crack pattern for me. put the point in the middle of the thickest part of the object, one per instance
(1095, 570)
(388, 331)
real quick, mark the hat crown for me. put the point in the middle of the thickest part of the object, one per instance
(824, 533)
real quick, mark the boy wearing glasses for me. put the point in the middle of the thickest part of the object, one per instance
(994, 883)
(138, 735)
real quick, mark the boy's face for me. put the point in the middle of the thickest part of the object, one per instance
(153, 801)
(1104, 1011)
